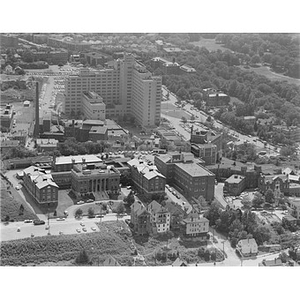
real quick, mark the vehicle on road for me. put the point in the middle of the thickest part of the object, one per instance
(90, 200)
(28, 221)
(93, 228)
(60, 219)
(38, 222)
(78, 230)
(19, 229)
(82, 224)
(84, 229)
(128, 187)
(99, 216)
(18, 187)
(80, 202)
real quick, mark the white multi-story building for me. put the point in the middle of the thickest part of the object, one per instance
(159, 217)
(93, 106)
(126, 86)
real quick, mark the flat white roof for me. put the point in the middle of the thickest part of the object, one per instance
(90, 158)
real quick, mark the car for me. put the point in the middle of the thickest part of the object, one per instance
(93, 228)
(128, 187)
(18, 187)
(84, 229)
(38, 222)
(90, 200)
(82, 224)
(78, 230)
(177, 196)
(99, 216)
(80, 202)
(60, 219)
(19, 229)
(28, 221)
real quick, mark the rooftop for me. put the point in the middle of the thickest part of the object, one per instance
(89, 158)
(194, 169)
(235, 178)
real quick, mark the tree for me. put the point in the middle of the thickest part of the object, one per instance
(247, 203)
(183, 119)
(120, 208)
(213, 256)
(257, 200)
(7, 218)
(82, 258)
(129, 200)
(262, 234)
(213, 214)
(269, 196)
(21, 209)
(78, 213)
(206, 255)
(91, 212)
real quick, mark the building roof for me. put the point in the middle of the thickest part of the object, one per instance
(235, 178)
(39, 177)
(179, 263)
(271, 178)
(247, 243)
(272, 262)
(155, 207)
(89, 158)
(98, 129)
(9, 143)
(194, 169)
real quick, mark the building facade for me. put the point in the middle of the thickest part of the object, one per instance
(40, 186)
(95, 178)
(190, 177)
(147, 180)
(140, 218)
(159, 218)
(93, 107)
(126, 87)
(277, 183)
(235, 184)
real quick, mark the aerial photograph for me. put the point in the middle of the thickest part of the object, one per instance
(150, 149)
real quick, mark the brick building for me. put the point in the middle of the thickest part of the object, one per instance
(183, 171)
(140, 218)
(277, 183)
(159, 218)
(235, 184)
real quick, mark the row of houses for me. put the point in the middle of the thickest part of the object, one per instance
(156, 218)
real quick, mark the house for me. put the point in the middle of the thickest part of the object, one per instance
(247, 247)
(179, 263)
(159, 218)
(195, 226)
(276, 262)
(140, 218)
(290, 220)
(111, 262)
(177, 214)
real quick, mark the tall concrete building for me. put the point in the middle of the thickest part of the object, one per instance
(126, 86)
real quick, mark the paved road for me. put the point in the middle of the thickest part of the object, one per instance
(69, 226)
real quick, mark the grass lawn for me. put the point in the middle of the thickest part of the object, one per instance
(263, 70)
(113, 239)
(10, 205)
(209, 44)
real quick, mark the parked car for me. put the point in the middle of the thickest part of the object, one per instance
(84, 229)
(38, 222)
(93, 228)
(60, 219)
(28, 221)
(90, 200)
(80, 202)
(82, 224)
(78, 230)
(19, 229)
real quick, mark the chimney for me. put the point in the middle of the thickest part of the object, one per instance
(37, 110)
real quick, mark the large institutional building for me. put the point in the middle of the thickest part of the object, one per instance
(126, 87)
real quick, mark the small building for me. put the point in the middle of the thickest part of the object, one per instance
(177, 214)
(235, 184)
(294, 208)
(179, 263)
(46, 145)
(250, 119)
(159, 218)
(247, 247)
(195, 226)
(276, 262)
(140, 218)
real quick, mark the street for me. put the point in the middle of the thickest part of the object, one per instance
(69, 226)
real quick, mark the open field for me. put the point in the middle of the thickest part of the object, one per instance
(10, 205)
(112, 239)
(209, 44)
(271, 75)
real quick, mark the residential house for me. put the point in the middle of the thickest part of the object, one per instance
(195, 226)
(159, 218)
(276, 262)
(247, 247)
(294, 208)
(140, 218)
(177, 214)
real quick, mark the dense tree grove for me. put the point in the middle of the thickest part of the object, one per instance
(237, 224)
(218, 69)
